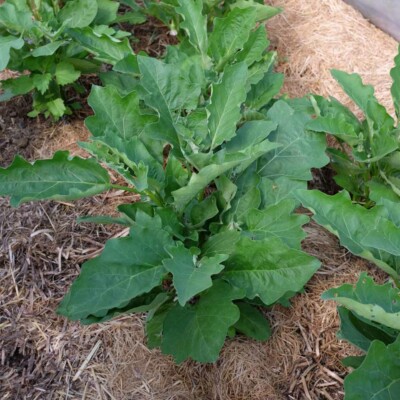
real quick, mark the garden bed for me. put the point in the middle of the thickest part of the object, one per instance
(45, 357)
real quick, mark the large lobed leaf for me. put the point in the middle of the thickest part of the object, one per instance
(268, 269)
(195, 24)
(115, 114)
(127, 268)
(104, 48)
(288, 167)
(78, 13)
(395, 89)
(277, 221)
(230, 34)
(191, 276)
(6, 44)
(60, 178)
(168, 89)
(377, 303)
(378, 377)
(358, 228)
(224, 107)
(118, 127)
(199, 331)
(364, 97)
(300, 150)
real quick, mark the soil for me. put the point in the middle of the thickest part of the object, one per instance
(18, 134)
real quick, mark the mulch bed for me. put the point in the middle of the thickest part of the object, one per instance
(43, 356)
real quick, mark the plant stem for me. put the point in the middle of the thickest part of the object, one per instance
(153, 196)
(125, 188)
(34, 10)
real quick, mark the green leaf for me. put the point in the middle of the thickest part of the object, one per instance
(274, 191)
(277, 221)
(14, 18)
(230, 34)
(6, 44)
(123, 82)
(361, 331)
(166, 90)
(353, 361)
(226, 192)
(255, 47)
(265, 90)
(59, 178)
(337, 126)
(203, 211)
(134, 174)
(78, 13)
(56, 108)
(195, 24)
(66, 73)
(105, 220)
(363, 96)
(378, 377)
(16, 86)
(395, 90)
(42, 82)
(386, 235)
(128, 65)
(224, 108)
(221, 243)
(48, 49)
(191, 276)
(154, 325)
(378, 303)
(131, 17)
(176, 175)
(268, 269)
(351, 223)
(249, 134)
(252, 323)
(263, 12)
(246, 203)
(104, 48)
(106, 12)
(199, 331)
(120, 124)
(382, 195)
(127, 268)
(300, 150)
(144, 303)
(116, 115)
(226, 161)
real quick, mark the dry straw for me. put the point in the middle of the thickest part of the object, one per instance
(43, 356)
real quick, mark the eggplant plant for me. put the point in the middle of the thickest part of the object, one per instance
(216, 161)
(366, 218)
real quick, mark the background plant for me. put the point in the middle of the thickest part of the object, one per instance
(165, 10)
(200, 138)
(366, 219)
(56, 42)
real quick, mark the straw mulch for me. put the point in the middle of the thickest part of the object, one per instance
(314, 36)
(42, 356)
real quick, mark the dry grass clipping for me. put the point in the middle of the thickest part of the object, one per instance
(44, 357)
(314, 36)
